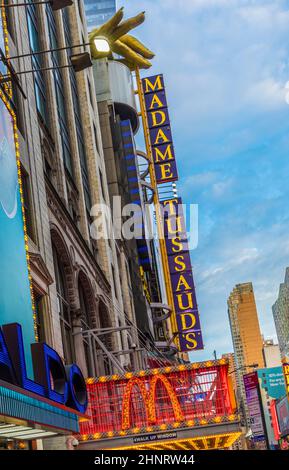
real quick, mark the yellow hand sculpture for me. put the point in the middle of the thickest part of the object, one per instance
(134, 53)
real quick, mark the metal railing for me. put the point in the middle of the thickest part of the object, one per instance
(103, 358)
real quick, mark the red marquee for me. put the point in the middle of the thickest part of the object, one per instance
(168, 398)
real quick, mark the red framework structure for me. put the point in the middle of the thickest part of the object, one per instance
(167, 398)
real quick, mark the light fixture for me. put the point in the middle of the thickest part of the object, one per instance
(59, 4)
(101, 44)
(80, 61)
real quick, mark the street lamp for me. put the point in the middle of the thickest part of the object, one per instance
(101, 44)
(79, 62)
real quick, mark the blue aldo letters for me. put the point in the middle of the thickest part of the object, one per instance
(62, 384)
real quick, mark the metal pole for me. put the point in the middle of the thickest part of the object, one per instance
(11, 5)
(58, 49)
(91, 355)
(164, 257)
(6, 78)
(109, 355)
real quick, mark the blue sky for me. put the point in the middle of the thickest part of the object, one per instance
(226, 64)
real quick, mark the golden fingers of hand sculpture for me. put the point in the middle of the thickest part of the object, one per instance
(133, 52)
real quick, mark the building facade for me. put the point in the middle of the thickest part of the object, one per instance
(246, 336)
(80, 283)
(281, 316)
(271, 353)
(98, 300)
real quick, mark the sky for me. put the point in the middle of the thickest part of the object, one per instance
(226, 65)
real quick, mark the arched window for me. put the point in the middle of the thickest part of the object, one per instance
(86, 324)
(84, 308)
(63, 308)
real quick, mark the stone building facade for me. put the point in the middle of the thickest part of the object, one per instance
(94, 305)
(77, 279)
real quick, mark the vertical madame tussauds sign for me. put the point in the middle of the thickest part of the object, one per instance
(188, 332)
(15, 293)
(182, 281)
(160, 129)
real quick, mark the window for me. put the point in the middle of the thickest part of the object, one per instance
(40, 313)
(95, 138)
(59, 90)
(27, 204)
(80, 11)
(9, 19)
(80, 140)
(77, 114)
(17, 103)
(101, 184)
(63, 309)
(49, 161)
(90, 92)
(37, 63)
(86, 325)
(114, 281)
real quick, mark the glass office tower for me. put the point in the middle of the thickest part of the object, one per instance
(98, 11)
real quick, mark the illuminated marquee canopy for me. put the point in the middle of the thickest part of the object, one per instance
(171, 398)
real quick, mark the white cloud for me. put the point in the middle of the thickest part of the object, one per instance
(267, 92)
(222, 188)
(199, 180)
(219, 61)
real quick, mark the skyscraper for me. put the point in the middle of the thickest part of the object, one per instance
(281, 315)
(98, 11)
(246, 334)
(271, 353)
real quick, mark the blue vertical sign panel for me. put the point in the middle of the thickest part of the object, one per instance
(15, 296)
(135, 191)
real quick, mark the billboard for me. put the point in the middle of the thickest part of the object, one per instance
(282, 409)
(272, 387)
(182, 281)
(15, 292)
(257, 425)
(159, 129)
(286, 377)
